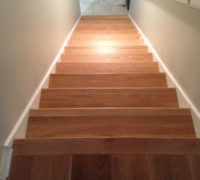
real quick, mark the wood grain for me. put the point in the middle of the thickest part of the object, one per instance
(39, 167)
(103, 43)
(63, 146)
(91, 167)
(96, 68)
(110, 126)
(108, 58)
(110, 112)
(108, 80)
(108, 97)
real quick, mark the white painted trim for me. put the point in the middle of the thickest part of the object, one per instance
(5, 163)
(32, 101)
(195, 112)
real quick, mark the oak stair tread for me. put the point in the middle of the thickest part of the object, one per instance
(130, 122)
(108, 80)
(126, 111)
(49, 146)
(108, 97)
(102, 67)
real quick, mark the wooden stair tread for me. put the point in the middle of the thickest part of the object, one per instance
(106, 146)
(108, 80)
(113, 21)
(100, 43)
(103, 32)
(138, 54)
(106, 167)
(111, 124)
(105, 58)
(124, 112)
(105, 51)
(101, 67)
(118, 49)
(104, 37)
(105, 26)
(105, 17)
(108, 97)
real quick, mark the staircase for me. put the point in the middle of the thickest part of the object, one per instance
(107, 114)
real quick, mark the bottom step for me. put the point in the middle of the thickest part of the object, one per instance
(106, 167)
(106, 159)
(135, 167)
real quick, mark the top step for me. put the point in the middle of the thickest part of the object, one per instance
(104, 17)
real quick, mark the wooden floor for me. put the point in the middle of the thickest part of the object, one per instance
(107, 114)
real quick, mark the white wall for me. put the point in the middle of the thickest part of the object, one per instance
(31, 34)
(174, 31)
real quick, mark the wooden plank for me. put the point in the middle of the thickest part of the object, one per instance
(110, 126)
(111, 43)
(21, 168)
(108, 97)
(119, 50)
(104, 57)
(105, 26)
(180, 167)
(90, 167)
(96, 68)
(105, 21)
(104, 37)
(110, 38)
(107, 146)
(110, 17)
(40, 167)
(106, 32)
(130, 167)
(124, 112)
(152, 167)
(159, 167)
(194, 163)
(100, 52)
(107, 80)
(110, 51)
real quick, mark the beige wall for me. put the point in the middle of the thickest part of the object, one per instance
(174, 31)
(31, 34)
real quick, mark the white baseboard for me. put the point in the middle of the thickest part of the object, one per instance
(19, 129)
(184, 100)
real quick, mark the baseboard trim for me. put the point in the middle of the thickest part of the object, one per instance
(33, 101)
(183, 97)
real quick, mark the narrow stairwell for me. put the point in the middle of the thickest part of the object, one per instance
(107, 114)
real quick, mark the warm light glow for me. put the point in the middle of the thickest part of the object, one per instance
(105, 47)
(105, 43)
(105, 50)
